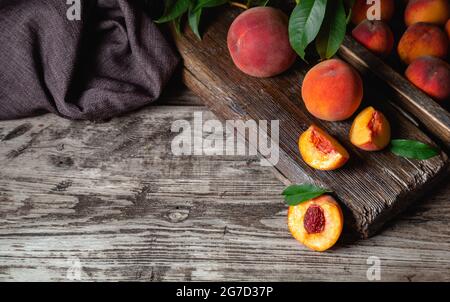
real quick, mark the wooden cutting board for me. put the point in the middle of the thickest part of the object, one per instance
(372, 187)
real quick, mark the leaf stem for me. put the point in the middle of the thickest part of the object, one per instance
(237, 4)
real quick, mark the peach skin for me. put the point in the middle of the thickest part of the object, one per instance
(432, 76)
(447, 28)
(316, 223)
(428, 11)
(258, 42)
(332, 90)
(375, 36)
(370, 130)
(320, 150)
(422, 39)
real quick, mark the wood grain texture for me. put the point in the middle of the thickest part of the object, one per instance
(113, 197)
(374, 187)
(428, 112)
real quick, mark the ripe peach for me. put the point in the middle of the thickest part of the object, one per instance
(258, 42)
(320, 150)
(422, 39)
(431, 75)
(376, 36)
(332, 90)
(316, 223)
(428, 11)
(360, 9)
(370, 130)
(447, 28)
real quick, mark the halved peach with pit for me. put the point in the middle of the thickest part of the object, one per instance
(316, 223)
(320, 150)
(370, 130)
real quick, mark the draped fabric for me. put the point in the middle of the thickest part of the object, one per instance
(112, 60)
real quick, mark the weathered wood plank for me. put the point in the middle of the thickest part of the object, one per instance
(113, 197)
(374, 187)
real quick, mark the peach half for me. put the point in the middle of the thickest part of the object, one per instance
(370, 130)
(320, 150)
(316, 223)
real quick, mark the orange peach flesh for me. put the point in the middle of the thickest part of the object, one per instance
(320, 150)
(325, 235)
(370, 130)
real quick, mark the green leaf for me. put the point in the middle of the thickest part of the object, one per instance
(304, 24)
(208, 3)
(333, 29)
(349, 4)
(295, 194)
(412, 149)
(177, 25)
(194, 20)
(174, 11)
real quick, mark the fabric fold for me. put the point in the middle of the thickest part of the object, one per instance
(112, 60)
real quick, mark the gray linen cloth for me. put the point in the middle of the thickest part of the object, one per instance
(112, 60)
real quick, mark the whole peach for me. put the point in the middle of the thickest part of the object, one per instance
(258, 42)
(428, 11)
(375, 36)
(422, 39)
(360, 8)
(332, 90)
(447, 28)
(431, 75)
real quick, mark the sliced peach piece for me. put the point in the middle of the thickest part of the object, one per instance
(320, 150)
(316, 223)
(370, 130)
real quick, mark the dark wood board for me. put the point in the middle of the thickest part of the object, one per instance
(430, 114)
(373, 187)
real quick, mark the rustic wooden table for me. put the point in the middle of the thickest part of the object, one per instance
(109, 201)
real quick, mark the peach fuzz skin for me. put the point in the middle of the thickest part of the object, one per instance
(370, 130)
(334, 223)
(431, 75)
(258, 42)
(447, 28)
(320, 150)
(375, 36)
(359, 11)
(422, 39)
(428, 11)
(332, 90)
